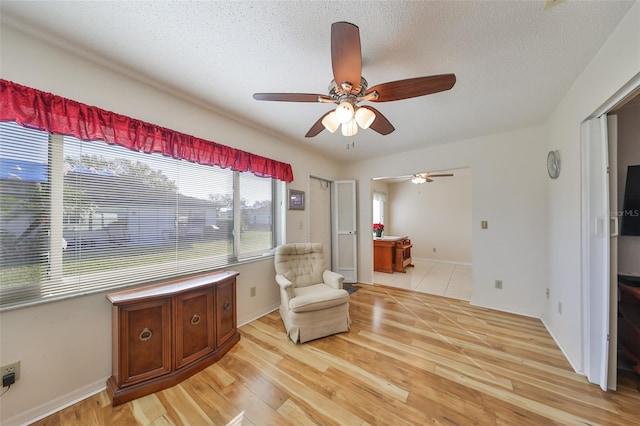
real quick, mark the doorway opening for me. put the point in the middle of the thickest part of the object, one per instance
(436, 216)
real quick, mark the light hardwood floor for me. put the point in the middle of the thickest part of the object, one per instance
(410, 358)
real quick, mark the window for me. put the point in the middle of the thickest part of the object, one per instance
(89, 215)
(379, 198)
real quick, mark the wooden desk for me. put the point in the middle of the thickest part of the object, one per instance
(391, 254)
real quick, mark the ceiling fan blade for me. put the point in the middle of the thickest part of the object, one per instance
(317, 126)
(290, 97)
(439, 175)
(393, 177)
(346, 56)
(428, 180)
(412, 87)
(380, 124)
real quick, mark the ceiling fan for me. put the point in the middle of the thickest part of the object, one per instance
(427, 177)
(348, 88)
(416, 178)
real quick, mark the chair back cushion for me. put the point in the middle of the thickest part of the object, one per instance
(300, 263)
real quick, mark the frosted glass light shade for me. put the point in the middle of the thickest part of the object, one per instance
(364, 117)
(330, 122)
(350, 128)
(344, 112)
(418, 179)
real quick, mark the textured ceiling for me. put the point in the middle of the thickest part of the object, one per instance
(513, 60)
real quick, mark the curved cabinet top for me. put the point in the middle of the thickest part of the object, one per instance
(169, 288)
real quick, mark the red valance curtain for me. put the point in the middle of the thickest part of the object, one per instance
(45, 111)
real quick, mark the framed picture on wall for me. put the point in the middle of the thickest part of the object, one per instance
(296, 200)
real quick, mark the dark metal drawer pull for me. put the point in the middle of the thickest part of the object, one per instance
(145, 334)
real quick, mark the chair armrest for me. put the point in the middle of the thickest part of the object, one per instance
(333, 279)
(286, 286)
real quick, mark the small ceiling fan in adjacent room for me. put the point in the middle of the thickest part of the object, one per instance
(427, 177)
(349, 88)
(416, 178)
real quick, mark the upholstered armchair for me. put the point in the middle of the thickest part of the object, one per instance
(313, 303)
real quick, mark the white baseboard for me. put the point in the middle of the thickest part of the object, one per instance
(57, 404)
(423, 259)
(504, 308)
(256, 315)
(571, 362)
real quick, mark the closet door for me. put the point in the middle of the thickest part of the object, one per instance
(595, 256)
(345, 252)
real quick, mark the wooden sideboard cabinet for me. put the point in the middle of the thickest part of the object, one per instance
(391, 254)
(165, 332)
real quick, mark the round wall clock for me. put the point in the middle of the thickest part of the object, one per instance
(553, 164)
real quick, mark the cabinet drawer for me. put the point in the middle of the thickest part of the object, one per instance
(194, 326)
(145, 341)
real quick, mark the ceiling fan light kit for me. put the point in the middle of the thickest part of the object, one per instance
(344, 112)
(418, 179)
(348, 88)
(330, 122)
(364, 117)
(350, 128)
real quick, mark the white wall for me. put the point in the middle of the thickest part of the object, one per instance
(617, 62)
(65, 347)
(509, 191)
(628, 155)
(436, 216)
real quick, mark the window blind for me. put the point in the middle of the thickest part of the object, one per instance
(24, 210)
(123, 217)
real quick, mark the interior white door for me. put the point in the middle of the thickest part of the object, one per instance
(320, 216)
(595, 255)
(345, 252)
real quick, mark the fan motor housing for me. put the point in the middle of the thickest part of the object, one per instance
(346, 88)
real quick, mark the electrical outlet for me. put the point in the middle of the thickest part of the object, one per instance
(499, 284)
(11, 368)
(252, 291)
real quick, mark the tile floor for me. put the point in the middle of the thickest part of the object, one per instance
(439, 278)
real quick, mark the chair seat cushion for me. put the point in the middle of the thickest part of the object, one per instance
(315, 297)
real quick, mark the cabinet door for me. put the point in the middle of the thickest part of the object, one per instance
(194, 326)
(225, 311)
(145, 341)
(383, 256)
